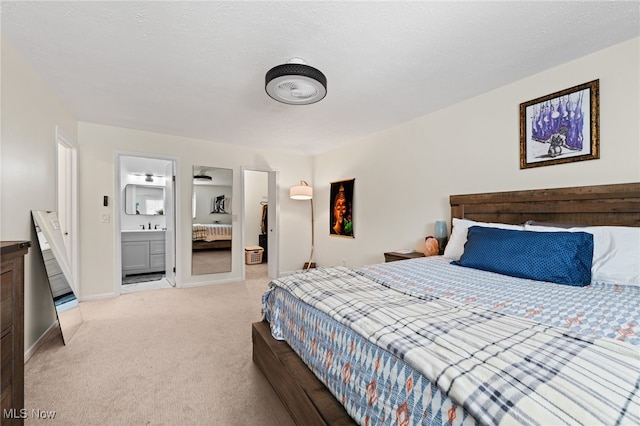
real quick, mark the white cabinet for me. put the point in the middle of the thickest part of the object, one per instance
(142, 252)
(156, 254)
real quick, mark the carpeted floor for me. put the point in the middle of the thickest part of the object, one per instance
(159, 357)
(210, 261)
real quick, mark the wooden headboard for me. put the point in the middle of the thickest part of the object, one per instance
(617, 204)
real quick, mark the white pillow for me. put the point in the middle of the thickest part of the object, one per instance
(616, 252)
(455, 246)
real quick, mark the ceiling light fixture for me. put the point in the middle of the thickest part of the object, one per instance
(296, 83)
(202, 177)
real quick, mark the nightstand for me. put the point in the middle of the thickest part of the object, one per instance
(392, 256)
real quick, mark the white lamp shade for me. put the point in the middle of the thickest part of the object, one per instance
(301, 192)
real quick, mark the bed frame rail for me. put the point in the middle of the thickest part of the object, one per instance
(308, 401)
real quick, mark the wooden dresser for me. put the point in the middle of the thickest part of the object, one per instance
(12, 325)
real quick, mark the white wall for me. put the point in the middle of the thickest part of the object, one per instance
(30, 113)
(405, 174)
(99, 145)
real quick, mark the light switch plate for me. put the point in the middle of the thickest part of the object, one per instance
(105, 218)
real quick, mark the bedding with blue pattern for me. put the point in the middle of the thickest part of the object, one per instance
(600, 309)
(400, 342)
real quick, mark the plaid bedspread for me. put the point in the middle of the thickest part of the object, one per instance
(603, 310)
(502, 369)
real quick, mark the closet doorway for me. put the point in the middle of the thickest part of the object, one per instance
(259, 223)
(146, 230)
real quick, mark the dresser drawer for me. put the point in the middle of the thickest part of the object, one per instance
(6, 371)
(12, 337)
(6, 301)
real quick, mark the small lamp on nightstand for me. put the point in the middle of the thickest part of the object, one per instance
(440, 232)
(431, 246)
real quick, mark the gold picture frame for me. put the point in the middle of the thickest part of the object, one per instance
(561, 127)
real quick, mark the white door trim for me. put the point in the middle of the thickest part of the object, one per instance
(117, 202)
(273, 241)
(72, 169)
(170, 223)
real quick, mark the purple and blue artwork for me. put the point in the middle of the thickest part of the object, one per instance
(560, 122)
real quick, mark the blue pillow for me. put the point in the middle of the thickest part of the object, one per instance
(559, 257)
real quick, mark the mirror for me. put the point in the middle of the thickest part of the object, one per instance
(144, 200)
(211, 220)
(54, 258)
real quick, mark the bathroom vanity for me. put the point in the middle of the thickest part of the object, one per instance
(143, 251)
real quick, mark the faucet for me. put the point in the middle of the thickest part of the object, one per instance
(142, 226)
(155, 227)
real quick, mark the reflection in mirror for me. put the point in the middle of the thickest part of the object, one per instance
(144, 200)
(54, 257)
(211, 220)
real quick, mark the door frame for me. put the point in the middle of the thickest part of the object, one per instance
(70, 195)
(273, 250)
(117, 205)
(170, 223)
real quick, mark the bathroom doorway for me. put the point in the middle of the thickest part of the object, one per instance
(146, 214)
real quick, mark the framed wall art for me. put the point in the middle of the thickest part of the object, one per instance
(562, 127)
(341, 208)
(221, 204)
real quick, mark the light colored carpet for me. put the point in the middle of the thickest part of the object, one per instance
(168, 356)
(210, 261)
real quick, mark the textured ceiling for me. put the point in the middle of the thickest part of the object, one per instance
(197, 69)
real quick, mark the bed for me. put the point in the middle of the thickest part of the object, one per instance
(211, 236)
(466, 347)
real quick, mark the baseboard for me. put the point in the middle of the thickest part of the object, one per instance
(50, 333)
(205, 283)
(97, 297)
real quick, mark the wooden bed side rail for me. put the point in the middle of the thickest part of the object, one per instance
(616, 204)
(308, 401)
